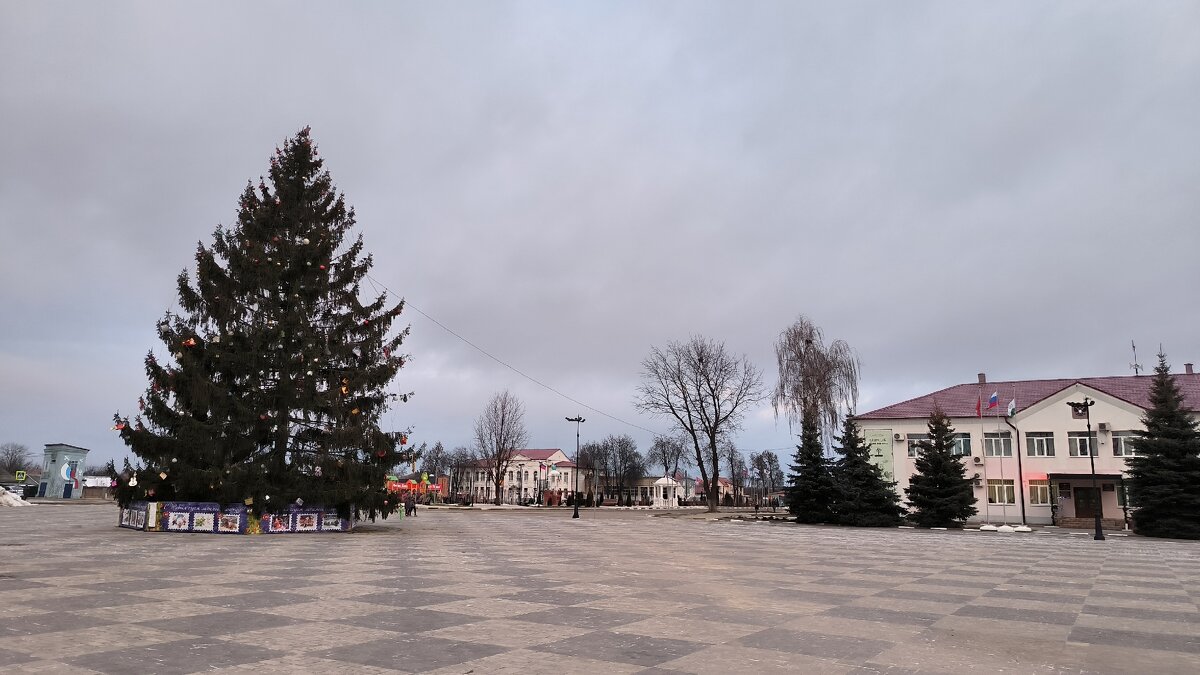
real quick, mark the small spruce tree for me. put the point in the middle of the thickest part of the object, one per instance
(812, 493)
(864, 498)
(1165, 473)
(278, 368)
(940, 493)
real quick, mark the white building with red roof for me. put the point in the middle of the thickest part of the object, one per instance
(530, 471)
(1029, 452)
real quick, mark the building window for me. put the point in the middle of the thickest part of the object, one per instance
(1039, 493)
(913, 439)
(1123, 444)
(1039, 444)
(1078, 444)
(1001, 491)
(962, 445)
(997, 444)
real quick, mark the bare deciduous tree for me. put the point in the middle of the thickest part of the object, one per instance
(737, 469)
(669, 452)
(705, 391)
(628, 465)
(499, 433)
(815, 381)
(460, 461)
(14, 457)
(433, 460)
(766, 472)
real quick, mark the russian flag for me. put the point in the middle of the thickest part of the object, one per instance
(994, 400)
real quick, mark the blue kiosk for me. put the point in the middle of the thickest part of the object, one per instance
(62, 471)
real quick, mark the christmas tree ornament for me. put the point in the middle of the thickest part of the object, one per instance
(309, 373)
(174, 460)
(133, 481)
(266, 498)
(178, 355)
(190, 342)
(354, 411)
(304, 241)
(248, 501)
(322, 267)
(299, 501)
(317, 472)
(119, 426)
(215, 339)
(162, 475)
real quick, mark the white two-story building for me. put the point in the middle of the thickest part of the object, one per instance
(1033, 466)
(530, 472)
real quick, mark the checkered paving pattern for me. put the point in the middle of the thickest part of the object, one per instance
(614, 592)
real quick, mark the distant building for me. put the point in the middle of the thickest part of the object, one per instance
(1032, 466)
(530, 471)
(62, 471)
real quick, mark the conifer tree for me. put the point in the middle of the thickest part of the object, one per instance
(811, 493)
(940, 493)
(864, 498)
(1165, 473)
(278, 372)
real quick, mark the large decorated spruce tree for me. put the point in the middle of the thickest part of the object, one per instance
(277, 366)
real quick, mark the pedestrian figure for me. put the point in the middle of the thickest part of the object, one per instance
(410, 505)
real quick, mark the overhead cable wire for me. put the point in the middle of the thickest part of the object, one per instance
(518, 371)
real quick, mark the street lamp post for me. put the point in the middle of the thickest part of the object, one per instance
(1086, 408)
(578, 419)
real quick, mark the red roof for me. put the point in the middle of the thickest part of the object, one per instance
(959, 400)
(538, 454)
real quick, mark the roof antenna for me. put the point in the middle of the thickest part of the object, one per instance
(1137, 367)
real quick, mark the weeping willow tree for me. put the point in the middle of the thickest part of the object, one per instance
(816, 382)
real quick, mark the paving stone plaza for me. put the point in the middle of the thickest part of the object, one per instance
(613, 592)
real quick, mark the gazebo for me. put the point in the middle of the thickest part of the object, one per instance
(665, 493)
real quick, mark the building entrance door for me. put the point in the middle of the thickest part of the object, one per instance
(1086, 502)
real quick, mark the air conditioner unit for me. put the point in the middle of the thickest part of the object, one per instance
(977, 460)
(978, 483)
(1104, 426)
(975, 477)
(898, 437)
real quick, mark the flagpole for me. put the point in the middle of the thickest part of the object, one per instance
(1000, 442)
(987, 506)
(1012, 411)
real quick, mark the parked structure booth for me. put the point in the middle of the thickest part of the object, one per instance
(665, 493)
(62, 471)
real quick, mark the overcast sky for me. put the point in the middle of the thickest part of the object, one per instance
(949, 187)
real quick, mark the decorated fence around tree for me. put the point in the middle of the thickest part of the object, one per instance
(212, 518)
